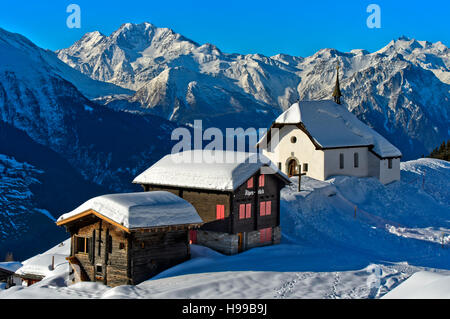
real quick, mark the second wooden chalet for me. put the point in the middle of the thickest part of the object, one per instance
(122, 239)
(7, 274)
(237, 195)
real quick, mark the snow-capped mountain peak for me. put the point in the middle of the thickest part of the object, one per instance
(401, 90)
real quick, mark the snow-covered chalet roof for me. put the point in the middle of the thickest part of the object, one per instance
(203, 169)
(139, 210)
(40, 265)
(332, 125)
(10, 266)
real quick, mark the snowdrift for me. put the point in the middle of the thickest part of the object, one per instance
(399, 231)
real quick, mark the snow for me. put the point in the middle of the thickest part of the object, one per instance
(203, 169)
(141, 210)
(181, 80)
(332, 125)
(26, 60)
(40, 265)
(422, 285)
(46, 213)
(326, 252)
(17, 201)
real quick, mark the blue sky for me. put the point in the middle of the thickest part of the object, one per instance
(246, 26)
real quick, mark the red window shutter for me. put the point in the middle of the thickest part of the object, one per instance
(269, 234)
(241, 211)
(250, 183)
(262, 235)
(248, 211)
(192, 236)
(261, 180)
(265, 235)
(220, 211)
(262, 208)
(268, 208)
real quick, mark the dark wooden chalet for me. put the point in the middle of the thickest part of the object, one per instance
(127, 238)
(237, 195)
(5, 274)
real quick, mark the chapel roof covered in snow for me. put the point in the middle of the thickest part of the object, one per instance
(137, 210)
(330, 125)
(203, 169)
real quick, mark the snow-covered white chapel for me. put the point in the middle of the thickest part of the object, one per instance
(323, 139)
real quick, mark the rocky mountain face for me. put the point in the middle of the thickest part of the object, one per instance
(36, 185)
(57, 147)
(401, 90)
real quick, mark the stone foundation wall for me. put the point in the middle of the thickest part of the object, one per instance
(276, 235)
(229, 243)
(252, 239)
(222, 242)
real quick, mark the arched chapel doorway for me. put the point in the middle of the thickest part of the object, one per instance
(292, 167)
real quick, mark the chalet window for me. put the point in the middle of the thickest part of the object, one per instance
(262, 208)
(390, 163)
(305, 167)
(248, 210)
(220, 211)
(261, 180)
(356, 159)
(250, 183)
(122, 246)
(279, 166)
(245, 211)
(341, 161)
(268, 208)
(265, 208)
(99, 269)
(82, 245)
(242, 211)
(265, 235)
(293, 140)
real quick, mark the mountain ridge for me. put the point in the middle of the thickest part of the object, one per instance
(400, 90)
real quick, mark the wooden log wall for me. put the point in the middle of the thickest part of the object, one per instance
(153, 252)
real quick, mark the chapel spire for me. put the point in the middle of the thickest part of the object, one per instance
(337, 90)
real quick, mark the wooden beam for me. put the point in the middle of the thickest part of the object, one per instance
(91, 212)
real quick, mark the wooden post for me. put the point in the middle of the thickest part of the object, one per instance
(299, 174)
(356, 207)
(423, 180)
(53, 263)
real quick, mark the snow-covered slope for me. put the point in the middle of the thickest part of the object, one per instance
(102, 144)
(401, 90)
(32, 193)
(16, 197)
(326, 252)
(422, 285)
(46, 122)
(23, 60)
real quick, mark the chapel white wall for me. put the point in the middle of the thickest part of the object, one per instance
(325, 163)
(332, 162)
(388, 175)
(302, 150)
